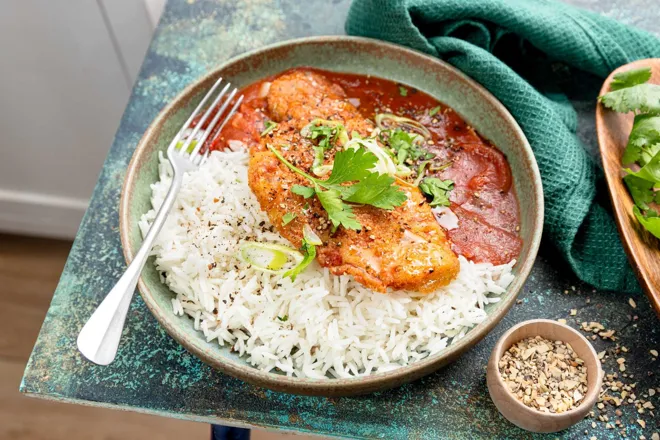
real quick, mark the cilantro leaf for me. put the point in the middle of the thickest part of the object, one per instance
(644, 98)
(304, 191)
(630, 78)
(284, 318)
(644, 140)
(339, 213)
(641, 190)
(631, 93)
(288, 218)
(377, 190)
(268, 127)
(650, 171)
(437, 189)
(403, 91)
(326, 133)
(351, 165)
(434, 111)
(650, 221)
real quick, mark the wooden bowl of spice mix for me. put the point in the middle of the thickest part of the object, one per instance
(544, 376)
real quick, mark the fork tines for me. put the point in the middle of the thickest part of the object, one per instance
(215, 111)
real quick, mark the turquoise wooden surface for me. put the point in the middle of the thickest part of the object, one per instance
(153, 374)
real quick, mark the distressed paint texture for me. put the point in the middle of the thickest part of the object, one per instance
(154, 374)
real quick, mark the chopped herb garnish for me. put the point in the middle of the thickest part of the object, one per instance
(631, 93)
(434, 111)
(370, 188)
(327, 134)
(268, 127)
(403, 91)
(405, 145)
(284, 318)
(288, 218)
(437, 189)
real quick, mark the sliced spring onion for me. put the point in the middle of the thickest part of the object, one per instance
(191, 147)
(310, 241)
(442, 166)
(268, 257)
(317, 166)
(310, 236)
(402, 170)
(386, 121)
(184, 138)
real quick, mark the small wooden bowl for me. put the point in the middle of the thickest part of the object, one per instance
(529, 418)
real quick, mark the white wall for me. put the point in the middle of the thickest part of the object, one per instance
(66, 74)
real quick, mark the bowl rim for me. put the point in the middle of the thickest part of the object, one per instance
(335, 386)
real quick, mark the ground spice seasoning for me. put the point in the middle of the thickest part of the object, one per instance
(545, 375)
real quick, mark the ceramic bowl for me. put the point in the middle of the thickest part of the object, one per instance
(345, 54)
(528, 418)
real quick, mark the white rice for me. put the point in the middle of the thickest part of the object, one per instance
(319, 326)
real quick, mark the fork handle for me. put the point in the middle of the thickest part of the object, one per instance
(99, 339)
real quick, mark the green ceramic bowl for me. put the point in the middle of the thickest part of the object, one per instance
(345, 54)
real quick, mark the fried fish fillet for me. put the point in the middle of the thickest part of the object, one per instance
(402, 249)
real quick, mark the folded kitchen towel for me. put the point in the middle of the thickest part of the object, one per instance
(533, 55)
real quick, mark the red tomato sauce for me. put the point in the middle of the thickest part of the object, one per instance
(483, 197)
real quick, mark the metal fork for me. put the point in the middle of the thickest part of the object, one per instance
(99, 339)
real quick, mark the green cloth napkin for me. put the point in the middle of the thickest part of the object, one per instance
(533, 56)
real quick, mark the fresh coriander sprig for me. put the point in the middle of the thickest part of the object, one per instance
(405, 146)
(630, 92)
(350, 181)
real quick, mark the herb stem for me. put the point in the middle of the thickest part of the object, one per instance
(291, 166)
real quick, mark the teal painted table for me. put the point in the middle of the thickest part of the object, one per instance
(153, 374)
